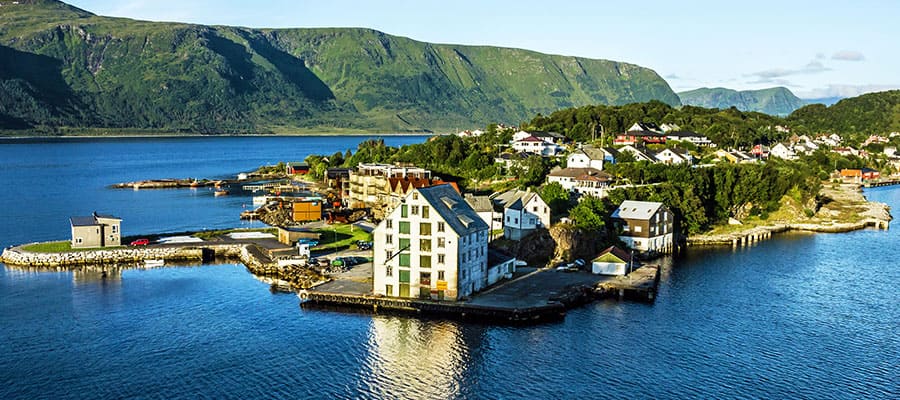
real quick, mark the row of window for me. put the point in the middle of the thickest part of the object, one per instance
(424, 277)
(424, 260)
(406, 210)
(424, 227)
(424, 244)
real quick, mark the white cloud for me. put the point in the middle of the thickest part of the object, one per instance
(848, 55)
(813, 67)
(839, 90)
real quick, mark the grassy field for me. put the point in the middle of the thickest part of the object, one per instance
(207, 235)
(340, 237)
(54, 247)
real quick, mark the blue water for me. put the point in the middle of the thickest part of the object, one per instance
(800, 316)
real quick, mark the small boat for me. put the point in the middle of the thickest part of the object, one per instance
(154, 263)
(221, 192)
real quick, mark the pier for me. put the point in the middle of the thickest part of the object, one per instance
(535, 296)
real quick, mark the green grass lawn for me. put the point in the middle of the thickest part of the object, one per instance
(207, 235)
(54, 247)
(340, 237)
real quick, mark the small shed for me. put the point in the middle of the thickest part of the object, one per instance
(296, 168)
(612, 261)
(290, 236)
(306, 210)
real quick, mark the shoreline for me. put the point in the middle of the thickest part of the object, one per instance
(203, 135)
(875, 215)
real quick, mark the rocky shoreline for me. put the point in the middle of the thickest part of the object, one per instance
(842, 197)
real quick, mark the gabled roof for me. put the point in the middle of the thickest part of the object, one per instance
(579, 172)
(531, 138)
(405, 183)
(631, 209)
(447, 202)
(644, 134)
(541, 134)
(479, 203)
(648, 126)
(83, 221)
(617, 252)
(514, 199)
(592, 153)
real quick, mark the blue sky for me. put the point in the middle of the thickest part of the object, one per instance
(815, 48)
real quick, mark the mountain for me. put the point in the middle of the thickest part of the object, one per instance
(61, 66)
(872, 113)
(824, 100)
(772, 101)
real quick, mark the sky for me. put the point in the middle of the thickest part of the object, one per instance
(824, 48)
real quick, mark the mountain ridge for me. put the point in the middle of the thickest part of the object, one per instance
(774, 101)
(118, 73)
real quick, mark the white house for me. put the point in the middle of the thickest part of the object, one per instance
(688, 136)
(586, 157)
(645, 126)
(673, 156)
(638, 154)
(535, 145)
(646, 226)
(434, 246)
(523, 212)
(486, 210)
(783, 152)
(590, 181)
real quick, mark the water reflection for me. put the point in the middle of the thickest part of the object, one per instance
(414, 358)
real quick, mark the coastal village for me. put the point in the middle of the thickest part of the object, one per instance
(427, 245)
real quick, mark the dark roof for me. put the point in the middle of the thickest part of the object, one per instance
(547, 134)
(619, 253)
(497, 256)
(479, 203)
(579, 172)
(644, 133)
(83, 221)
(684, 134)
(447, 202)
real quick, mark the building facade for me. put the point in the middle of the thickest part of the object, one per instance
(433, 246)
(647, 227)
(97, 230)
(523, 213)
(370, 185)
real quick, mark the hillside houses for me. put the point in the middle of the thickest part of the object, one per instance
(582, 181)
(545, 144)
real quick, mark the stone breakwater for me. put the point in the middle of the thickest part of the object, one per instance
(255, 259)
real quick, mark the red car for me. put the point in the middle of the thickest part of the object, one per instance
(140, 242)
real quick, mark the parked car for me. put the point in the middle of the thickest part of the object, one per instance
(140, 242)
(363, 245)
(310, 242)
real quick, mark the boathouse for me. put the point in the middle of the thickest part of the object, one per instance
(96, 230)
(645, 226)
(612, 261)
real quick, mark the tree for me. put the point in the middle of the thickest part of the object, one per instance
(588, 214)
(556, 197)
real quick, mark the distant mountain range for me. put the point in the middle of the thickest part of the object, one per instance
(61, 66)
(774, 101)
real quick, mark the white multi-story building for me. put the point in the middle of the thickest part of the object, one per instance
(523, 212)
(586, 157)
(433, 246)
(588, 181)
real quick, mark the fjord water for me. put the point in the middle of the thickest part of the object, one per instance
(799, 316)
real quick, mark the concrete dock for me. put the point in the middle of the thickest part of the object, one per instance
(533, 296)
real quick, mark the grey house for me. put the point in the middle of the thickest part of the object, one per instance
(97, 230)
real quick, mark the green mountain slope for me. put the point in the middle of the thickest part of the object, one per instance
(773, 101)
(872, 113)
(61, 66)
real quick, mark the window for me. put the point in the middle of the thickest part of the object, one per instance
(534, 209)
(415, 210)
(441, 242)
(389, 239)
(404, 244)
(440, 275)
(404, 275)
(415, 195)
(387, 255)
(517, 221)
(389, 224)
(425, 229)
(440, 227)
(425, 244)
(440, 261)
(424, 261)
(404, 262)
(425, 211)
(464, 257)
(388, 271)
(79, 240)
(462, 274)
(637, 228)
(388, 290)
(115, 228)
(404, 212)
(425, 278)
(404, 227)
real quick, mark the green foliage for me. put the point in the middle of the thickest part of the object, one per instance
(728, 127)
(556, 197)
(873, 113)
(60, 66)
(589, 214)
(50, 247)
(772, 101)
